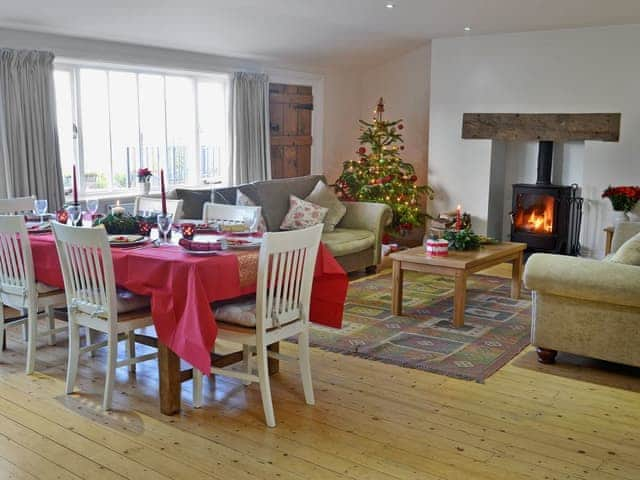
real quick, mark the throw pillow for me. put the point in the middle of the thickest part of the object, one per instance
(245, 201)
(629, 252)
(193, 202)
(302, 214)
(325, 197)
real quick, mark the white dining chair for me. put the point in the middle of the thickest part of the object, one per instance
(279, 310)
(93, 301)
(154, 204)
(20, 205)
(220, 212)
(19, 289)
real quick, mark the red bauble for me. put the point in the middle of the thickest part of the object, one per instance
(413, 178)
(400, 127)
(401, 147)
(362, 150)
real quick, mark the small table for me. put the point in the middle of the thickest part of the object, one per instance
(609, 239)
(458, 265)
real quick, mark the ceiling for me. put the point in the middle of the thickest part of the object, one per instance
(318, 33)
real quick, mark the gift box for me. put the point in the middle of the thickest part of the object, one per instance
(437, 248)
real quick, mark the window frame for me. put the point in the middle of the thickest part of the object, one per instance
(193, 178)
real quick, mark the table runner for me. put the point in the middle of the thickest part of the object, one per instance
(182, 287)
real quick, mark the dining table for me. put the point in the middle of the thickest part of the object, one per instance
(182, 287)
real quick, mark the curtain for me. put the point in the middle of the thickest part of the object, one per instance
(250, 128)
(29, 152)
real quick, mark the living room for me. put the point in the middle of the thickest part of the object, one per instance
(469, 307)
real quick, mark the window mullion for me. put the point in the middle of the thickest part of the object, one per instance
(166, 129)
(140, 133)
(111, 184)
(80, 140)
(196, 173)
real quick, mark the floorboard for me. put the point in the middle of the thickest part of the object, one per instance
(371, 421)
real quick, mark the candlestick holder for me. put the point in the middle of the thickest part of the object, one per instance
(62, 216)
(188, 230)
(145, 228)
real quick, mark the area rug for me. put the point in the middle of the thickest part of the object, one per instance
(496, 326)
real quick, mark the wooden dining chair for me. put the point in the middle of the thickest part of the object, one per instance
(154, 204)
(20, 205)
(19, 289)
(279, 310)
(219, 212)
(93, 301)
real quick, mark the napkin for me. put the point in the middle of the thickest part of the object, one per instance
(199, 246)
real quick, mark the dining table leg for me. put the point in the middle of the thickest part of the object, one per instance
(170, 385)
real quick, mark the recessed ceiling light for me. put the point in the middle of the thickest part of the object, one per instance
(390, 5)
(467, 29)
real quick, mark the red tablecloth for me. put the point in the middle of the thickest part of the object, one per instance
(182, 287)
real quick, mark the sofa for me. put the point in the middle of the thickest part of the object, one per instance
(356, 242)
(586, 307)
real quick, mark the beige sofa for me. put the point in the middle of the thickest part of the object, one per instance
(586, 307)
(356, 242)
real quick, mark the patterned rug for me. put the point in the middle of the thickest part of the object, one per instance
(496, 326)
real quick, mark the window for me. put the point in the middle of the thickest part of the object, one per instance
(112, 122)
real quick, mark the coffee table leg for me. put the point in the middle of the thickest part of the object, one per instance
(396, 295)
(170, 386)
(460, 299)
(516, 276)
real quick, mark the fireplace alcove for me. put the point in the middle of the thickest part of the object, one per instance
(544, 212)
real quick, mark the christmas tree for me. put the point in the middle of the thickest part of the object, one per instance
(380, 175)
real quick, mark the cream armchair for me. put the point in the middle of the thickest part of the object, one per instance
(586, 307)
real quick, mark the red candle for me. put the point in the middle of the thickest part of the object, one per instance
(458, 219)
(75, 186)
(163, 193)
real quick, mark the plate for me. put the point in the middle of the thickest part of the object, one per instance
(126, 240)
(201, 253)
(247, 233)
(37, 228)
(242, 244)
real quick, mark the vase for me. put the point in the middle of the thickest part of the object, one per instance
(618, 216)
(144, 187)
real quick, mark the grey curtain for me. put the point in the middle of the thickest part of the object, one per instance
(250, 128)
(29, 152)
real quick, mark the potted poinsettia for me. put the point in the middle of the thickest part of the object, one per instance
(623, 200)
(144, 180)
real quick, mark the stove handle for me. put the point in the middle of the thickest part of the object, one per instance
(511, 217)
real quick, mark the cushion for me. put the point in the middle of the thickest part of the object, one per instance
(345, 241)
(325, 197)
(302, 214)
(193, 201)
(623, 232)
(241, 313)
(628, 253)
(273, 196)
(44, 288)
(128, 302)
(243, 200)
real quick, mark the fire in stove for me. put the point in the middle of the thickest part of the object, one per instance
(536, 218)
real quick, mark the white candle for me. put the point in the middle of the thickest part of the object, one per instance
(117, 210)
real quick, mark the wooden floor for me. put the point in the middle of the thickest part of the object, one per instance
(371, 421)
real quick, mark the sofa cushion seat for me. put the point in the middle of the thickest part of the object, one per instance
(345, 241)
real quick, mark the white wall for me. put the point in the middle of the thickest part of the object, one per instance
(584, 70)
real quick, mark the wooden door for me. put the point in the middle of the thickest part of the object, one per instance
(290, 109)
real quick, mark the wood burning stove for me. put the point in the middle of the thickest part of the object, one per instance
(546, 217)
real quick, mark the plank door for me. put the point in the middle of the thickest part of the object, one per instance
(290, 108)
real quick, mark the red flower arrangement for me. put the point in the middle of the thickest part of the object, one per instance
(622, 198)
(144, 174)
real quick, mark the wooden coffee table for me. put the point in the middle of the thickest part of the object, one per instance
(458, 265)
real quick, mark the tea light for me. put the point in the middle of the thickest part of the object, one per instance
(117, 210)
(188, 230)
(144, 228)
(62, 216)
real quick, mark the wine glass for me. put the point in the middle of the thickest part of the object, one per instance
(75, 212)
(92, 207)
(164, 225)
(40, 207)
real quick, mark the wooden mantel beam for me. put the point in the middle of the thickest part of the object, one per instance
(558, 127)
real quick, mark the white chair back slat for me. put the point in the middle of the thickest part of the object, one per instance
(87, 269)
(218, 212)
(285, 276)
(154, 205)
(14, 206)
(16, 262)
